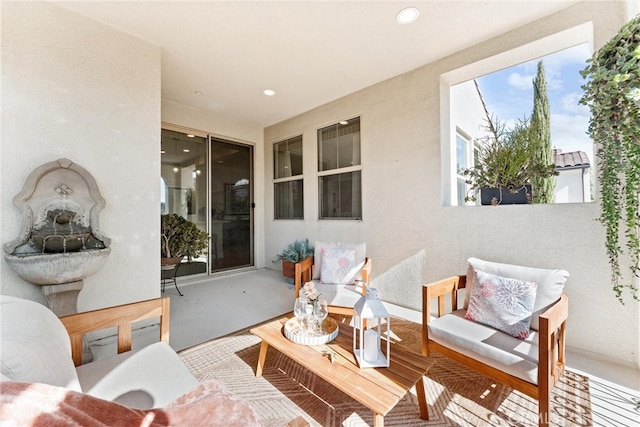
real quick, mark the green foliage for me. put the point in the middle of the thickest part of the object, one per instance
(296, 251)
(180, 237)
(506, 159)
(541, 138)
(612, 93)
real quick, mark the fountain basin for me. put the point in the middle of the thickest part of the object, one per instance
(57, 268)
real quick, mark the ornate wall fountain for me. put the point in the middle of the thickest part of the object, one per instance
(60, 242)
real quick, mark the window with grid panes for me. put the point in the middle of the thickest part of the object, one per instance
(340, 171)
(287, 179)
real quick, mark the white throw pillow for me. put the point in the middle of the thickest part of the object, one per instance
(502, 303)
(550, 282)
(338, 265)
(361, 254)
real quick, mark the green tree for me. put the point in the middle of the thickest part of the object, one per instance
(543, 189)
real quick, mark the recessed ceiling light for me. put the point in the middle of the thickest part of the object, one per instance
(407, 15)
(198, 93)
(344, 122)
(269, 92)
(186, 150)
(162, 151)
(190, 136)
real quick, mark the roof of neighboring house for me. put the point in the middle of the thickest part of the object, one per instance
(573, 159)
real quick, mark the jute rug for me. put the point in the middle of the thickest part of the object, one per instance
(456, 395)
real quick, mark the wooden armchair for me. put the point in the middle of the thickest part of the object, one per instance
(340, 298)
(122, 316)
(550, 342)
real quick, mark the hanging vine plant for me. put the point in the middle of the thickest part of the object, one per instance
(612, 93)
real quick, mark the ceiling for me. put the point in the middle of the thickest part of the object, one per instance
(221, 55)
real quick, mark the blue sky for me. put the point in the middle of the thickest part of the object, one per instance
(509, 95)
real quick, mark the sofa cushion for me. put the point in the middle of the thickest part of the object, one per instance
(361, 254)
(151, 377)
(338, 265)
(503, 303)
(550, 282)
(208, 404)
(488, 345)
(35, 344)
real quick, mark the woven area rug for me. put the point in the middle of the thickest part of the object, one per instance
(456, 395)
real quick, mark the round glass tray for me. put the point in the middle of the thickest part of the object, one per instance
(295, 333)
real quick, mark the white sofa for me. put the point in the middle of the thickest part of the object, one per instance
(43, 381)
(36, 348)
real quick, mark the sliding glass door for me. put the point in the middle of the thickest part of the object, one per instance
(209, 182)
(231, 195)
(183, 186)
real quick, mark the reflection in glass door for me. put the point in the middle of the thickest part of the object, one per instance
(183, 186)
(231, 200)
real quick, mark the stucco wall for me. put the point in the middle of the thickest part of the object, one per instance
(74, 88)
(403, 213)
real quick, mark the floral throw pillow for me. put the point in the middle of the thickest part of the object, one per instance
(503, 303)
(338, 265)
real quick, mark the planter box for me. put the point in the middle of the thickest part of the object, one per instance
(502, 196)
(288, 269)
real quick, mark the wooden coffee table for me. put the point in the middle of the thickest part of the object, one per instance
(379, 389)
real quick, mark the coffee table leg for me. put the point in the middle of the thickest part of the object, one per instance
(378, 420)
(422, 399)
(261, 357)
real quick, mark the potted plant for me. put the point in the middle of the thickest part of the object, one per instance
(293, 253)
(613, 96)
(505, 165)
(180, 237)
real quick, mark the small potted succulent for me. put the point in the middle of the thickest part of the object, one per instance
(293, 253)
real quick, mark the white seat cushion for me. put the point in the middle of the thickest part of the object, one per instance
(151, 377)
(485, 344)
(339, 295)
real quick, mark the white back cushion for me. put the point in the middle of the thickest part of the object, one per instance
(550, 282)
(35, 345)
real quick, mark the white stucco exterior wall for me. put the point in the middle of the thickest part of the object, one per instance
(403, 213)
(573, 186)
(74, 88)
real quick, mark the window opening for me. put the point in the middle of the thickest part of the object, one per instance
(340, 171)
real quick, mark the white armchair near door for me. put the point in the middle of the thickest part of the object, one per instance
(341, 272)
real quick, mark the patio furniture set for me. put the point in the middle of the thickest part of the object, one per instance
(510, 326)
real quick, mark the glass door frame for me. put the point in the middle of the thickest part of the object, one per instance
(251, 170)
(209, 173)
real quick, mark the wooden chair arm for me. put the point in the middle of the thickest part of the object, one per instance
(556, 315)
(302, 273)
(551, 341)
(551, 349)
(121, 316)
(366, 271)
(439, 290)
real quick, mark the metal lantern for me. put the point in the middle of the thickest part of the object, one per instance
(370, 316)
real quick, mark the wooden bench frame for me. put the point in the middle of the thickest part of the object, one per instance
(551, 344)
(122, 316)
(303, 272)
